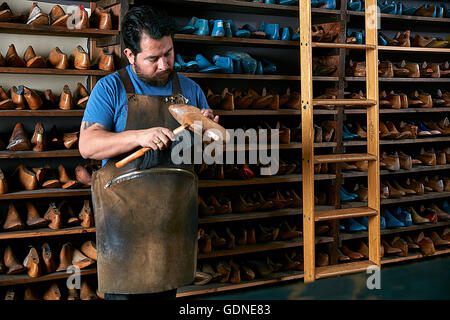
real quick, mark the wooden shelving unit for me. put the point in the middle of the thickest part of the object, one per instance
(30, 158)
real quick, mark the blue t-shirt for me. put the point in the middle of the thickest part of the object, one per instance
(107, 104)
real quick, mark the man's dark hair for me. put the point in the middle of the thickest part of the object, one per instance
(155, 23)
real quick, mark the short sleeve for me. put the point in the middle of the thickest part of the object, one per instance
(202, 103)
(101, 106)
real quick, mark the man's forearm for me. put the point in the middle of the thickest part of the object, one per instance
(101, 144)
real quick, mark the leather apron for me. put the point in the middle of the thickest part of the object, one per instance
(146, 212)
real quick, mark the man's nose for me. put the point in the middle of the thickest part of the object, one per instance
(163, 63)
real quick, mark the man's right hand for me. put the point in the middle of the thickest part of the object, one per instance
(156, 138)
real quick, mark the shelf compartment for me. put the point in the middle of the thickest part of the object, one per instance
(45, 193)
(44, 232)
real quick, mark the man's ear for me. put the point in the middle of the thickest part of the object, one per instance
(130, 56)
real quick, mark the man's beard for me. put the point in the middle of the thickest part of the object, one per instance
(152, 80)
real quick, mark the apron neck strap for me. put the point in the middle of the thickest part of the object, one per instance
(126, 81)
(129, 88)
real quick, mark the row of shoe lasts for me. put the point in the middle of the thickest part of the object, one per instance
(416, 98)
(36, 265)
(404, 39)
(40, 141)
(412, 130)
(395, 189)
(256, 201)
(237, 270)
(387, 69)
(209, 240)
(401, 217)
(78, 59)
(230, 62)
(21, 97)
(398, 245)
(56, 217)
(246, 172)
(398, 8)
(400, 160)
(100, 19)
(237, 99)
(417, 186)
(227, 28)
(53, 292)
(22, 177)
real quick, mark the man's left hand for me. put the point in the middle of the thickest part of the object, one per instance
(209, 114)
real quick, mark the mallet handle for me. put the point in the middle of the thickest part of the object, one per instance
(141, 151)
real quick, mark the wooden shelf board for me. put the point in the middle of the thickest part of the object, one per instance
(8, 280)
(404, 18)
(48, 71)
(221, 287)
(259, 247)
(412, 256)
(258, 180)
(439, 80)
(45, 193)
(262, 112)
(408, 110)
(252, 77)
(44, 232)
(42, 154)
(19, 28)
(341, 269)
(235, 41)
(399, 141)
(292, 145)
(230, 217)
(41, 113)
(404, 199)
(344, 213)
(414, 49)
(249, 7)
(415, 227)
(418, 168)
(345, 157)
